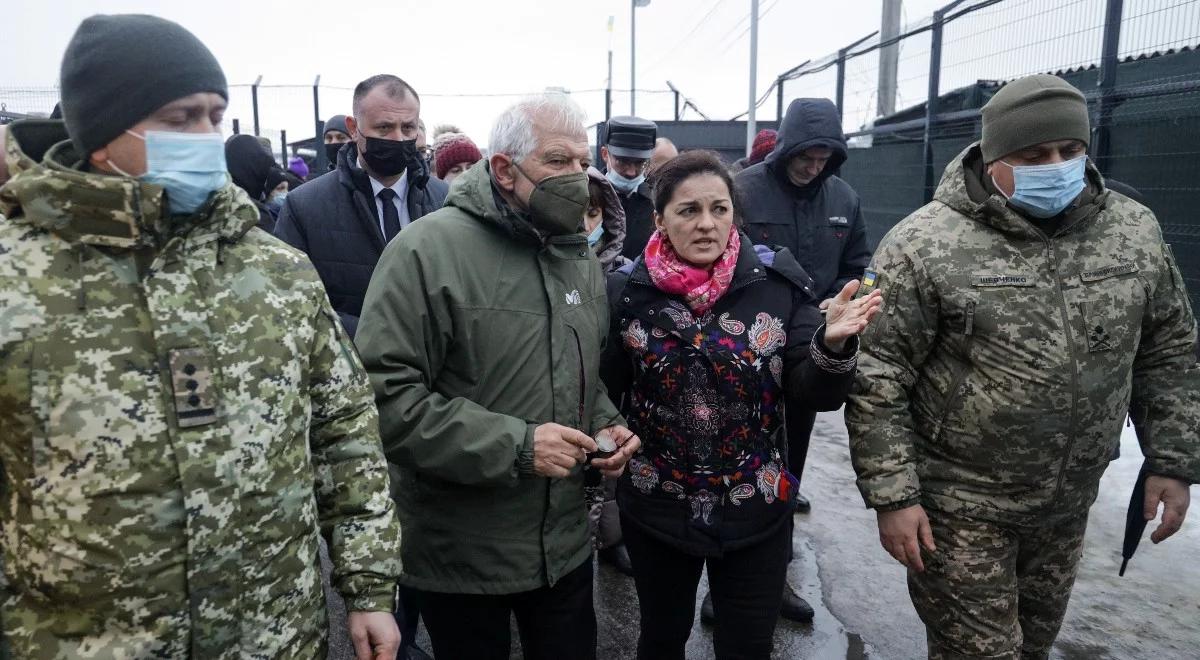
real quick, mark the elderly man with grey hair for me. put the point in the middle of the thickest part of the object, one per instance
(482, 332)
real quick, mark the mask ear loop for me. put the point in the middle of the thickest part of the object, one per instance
(108, 161)
(997, 186)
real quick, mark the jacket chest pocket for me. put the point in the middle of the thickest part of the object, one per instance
(771, 233)
(89, 408)
(835, 230)
(1109, 302)
(584, 342)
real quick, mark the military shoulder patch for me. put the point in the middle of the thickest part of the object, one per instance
(868, 279)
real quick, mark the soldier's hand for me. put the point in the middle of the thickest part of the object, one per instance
(557, 449)
(900, 532)
(627, 445)
(375, 635)
(1174, 496)
(846, 317)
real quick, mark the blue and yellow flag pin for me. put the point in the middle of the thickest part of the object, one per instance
(868, 279)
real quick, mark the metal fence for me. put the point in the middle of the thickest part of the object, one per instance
(1135, 60)
(288, 114)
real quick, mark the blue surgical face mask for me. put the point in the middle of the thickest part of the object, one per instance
(1044, 191)
(622, 184)
(190, 166)
(276, 201)
(594, 237)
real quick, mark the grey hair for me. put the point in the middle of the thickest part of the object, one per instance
(512, 134)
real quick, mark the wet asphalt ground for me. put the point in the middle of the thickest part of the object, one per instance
(861, 598)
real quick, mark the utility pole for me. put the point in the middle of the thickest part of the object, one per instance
(633, 5)
(889, 57)
(608, 86)
(751, 127)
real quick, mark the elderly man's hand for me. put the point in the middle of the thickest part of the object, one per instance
(1175, 497)
(628, 444)
(557, 449)
(374, 634)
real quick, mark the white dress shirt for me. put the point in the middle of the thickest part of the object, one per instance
(401, 200)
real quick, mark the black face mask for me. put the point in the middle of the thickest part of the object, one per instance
(391, 157)
(331, 152)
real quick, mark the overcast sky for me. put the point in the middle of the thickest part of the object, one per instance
(446, 48)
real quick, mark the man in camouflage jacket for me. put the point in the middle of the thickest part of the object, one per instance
(1026, 312)
(181, 415)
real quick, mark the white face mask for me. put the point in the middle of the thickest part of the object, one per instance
(595, 236)
(1044, 191)
(623, 184)
(190, 166)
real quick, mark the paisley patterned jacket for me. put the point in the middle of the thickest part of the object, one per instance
(705, 395)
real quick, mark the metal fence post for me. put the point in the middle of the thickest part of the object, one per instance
(320, 162)
(237, 126)
(1102, 140)
(676, 92)
(317, 98)
(779, 99)
(935, 74)
(283, 146)
(841, 82)
(607, 104)
(931, 109)
(254, 102)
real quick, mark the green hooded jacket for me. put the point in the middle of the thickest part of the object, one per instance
(181, 417)
(996, 380)
(474, 332)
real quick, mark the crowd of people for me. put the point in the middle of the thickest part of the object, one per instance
(469, 373)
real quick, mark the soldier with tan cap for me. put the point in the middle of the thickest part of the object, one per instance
(1027, 309)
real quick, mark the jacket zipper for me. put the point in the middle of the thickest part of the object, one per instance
(1052, 256)
(955, 397)
(582, 377)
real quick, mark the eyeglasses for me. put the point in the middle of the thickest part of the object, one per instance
(639, 163)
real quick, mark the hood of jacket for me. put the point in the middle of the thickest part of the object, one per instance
(965, 189)
(55, 193)
(808, 123)
(27, 141)
(608, 250)
(476, 194)
(249, 164)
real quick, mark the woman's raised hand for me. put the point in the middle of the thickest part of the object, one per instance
(846, 317)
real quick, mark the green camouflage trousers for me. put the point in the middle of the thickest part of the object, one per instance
(996, 591)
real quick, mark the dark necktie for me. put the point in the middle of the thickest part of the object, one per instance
(391, 217)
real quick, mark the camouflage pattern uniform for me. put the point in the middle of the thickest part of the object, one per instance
(993, 388)
(182, 417)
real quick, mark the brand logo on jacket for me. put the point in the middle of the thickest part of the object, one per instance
(574, 298)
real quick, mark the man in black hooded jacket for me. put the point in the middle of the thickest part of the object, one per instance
(795, 199)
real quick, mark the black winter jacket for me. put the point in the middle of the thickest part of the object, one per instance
(820, 223)
(639, 220)
(334, 220)
(705, 396)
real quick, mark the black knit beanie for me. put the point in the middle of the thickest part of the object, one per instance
(119, 69)
(337, 123)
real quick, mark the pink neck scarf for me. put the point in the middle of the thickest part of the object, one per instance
(700, 287)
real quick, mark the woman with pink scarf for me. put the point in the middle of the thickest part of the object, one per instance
(708, 332)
